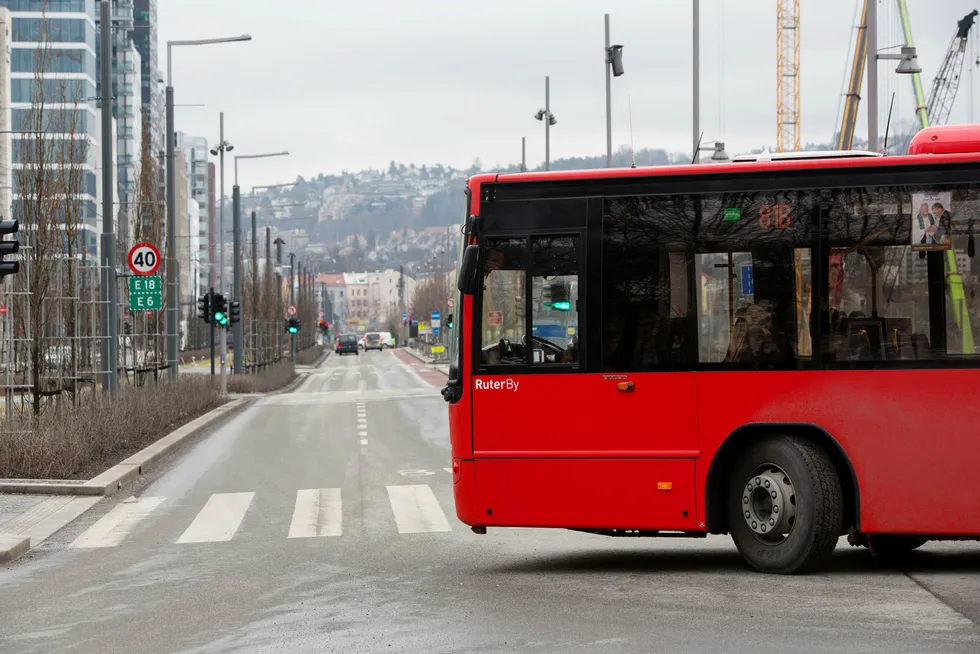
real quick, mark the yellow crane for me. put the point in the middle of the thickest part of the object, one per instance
(787, 75)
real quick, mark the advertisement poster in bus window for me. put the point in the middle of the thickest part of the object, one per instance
(932, 218)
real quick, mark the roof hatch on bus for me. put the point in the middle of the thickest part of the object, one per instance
(946, 139)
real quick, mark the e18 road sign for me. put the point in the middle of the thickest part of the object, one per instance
(145, 294)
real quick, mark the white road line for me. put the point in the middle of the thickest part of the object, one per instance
(219, 519)
(449, 470)
(112, 528)
(362, 433)
(364, 441)
(416, 509)
(318, 512)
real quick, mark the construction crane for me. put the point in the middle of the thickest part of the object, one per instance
(788, 75)
(947, 80)
(845, 138)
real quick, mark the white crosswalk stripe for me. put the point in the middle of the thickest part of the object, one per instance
(219, 519)
(416, 509)
(318, 512)
(112, 528)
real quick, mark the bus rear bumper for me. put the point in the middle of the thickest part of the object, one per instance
(464, 491)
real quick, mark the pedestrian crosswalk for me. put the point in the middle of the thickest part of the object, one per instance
(316, 513)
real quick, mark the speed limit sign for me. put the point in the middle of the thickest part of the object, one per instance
(144, 259)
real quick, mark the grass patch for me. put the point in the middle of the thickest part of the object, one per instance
(271, 379)
(79, 443)
(309, 356)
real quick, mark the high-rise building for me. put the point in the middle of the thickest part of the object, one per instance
(57, 39)
(6, 179)
(126, 107)
(151, 79)
(195, 149)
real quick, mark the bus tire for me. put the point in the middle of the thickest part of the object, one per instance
(785, 506)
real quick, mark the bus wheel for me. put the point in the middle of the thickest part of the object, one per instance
(785, 505)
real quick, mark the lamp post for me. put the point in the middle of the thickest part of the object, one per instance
(219, 151)
(908, 64)
(548, 118)
(237, 330)
(614, 68)
(173, 281)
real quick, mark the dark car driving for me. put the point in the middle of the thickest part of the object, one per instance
(346, 343)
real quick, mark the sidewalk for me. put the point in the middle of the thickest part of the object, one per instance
(441, 367)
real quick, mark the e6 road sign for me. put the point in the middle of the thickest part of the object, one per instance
(144, 259)
(145, 293)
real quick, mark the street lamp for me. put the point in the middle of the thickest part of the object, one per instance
(219, 151)
(173, 281)
(908, 65)
(614, 68)
(548, 118)
(718, 152)
(237, 329)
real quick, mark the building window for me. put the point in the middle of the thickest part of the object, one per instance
(52, 60)
(52, 90)
(56, 30)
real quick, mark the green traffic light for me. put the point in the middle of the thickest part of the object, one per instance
(220, 318)
(293, 330)
(561, 306)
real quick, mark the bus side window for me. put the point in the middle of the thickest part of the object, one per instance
(504, 288)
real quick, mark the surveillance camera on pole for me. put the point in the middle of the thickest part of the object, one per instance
(614, 56)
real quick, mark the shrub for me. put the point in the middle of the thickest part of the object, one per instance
(271, 379)
(97, 434)
(309, 356)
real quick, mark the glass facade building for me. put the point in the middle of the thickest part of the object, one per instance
(60, 43)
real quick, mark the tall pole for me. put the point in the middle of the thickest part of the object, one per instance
(279, 243)
(609, 100)
(696, 109)
(268, 276)
(110, 329)
(237, 331)
(221, 250)
(255, 291)
(871, 32)
(292, 337)
(523, 154)
(173, 281)
(547, 123)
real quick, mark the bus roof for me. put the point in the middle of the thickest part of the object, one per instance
(945, 144)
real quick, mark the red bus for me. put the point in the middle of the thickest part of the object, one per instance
(780, 349)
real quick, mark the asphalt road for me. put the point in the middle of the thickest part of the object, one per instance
(322, 520)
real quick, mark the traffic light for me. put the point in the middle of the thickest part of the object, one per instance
(219, 310)
(204, 308)
(324, 327)
(9, 247)
(292, 325)
(449, 321)
(236, 312)
(559, 297)
(127, 327)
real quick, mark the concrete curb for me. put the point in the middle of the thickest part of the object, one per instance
(124, 472)
(13, 546)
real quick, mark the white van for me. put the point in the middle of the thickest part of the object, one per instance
(386, 339)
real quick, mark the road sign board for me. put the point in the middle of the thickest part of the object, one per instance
(450, 303)
(320, 315)
(495, 317)
(145, 293)
(291, 310)
(748, 281)
(435, 319)
(3, 309)
(144, 259)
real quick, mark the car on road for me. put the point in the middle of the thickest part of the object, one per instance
(372, 341)
(346, 343)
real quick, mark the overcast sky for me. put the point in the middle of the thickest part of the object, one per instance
(346, 85)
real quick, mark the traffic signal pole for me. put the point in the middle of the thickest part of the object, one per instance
(292, 337)
(237, 333)
(211, 329)
(110, 325)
